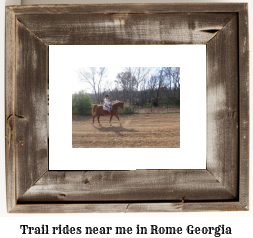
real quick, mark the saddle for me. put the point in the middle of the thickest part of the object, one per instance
(105, 108)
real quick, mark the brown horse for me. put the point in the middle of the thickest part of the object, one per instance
(97, 110)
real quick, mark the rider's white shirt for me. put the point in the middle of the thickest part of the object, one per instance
(107, 103)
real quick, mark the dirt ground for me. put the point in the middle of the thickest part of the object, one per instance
(137, 131)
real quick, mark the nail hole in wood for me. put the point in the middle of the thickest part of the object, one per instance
(86, 181)
(61, 195)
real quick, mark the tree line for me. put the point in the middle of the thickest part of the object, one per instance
(140, 86)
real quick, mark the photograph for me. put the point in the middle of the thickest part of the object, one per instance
(126, 107)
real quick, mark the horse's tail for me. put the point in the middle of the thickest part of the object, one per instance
(93, 109)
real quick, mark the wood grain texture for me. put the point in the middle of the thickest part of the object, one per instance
(9, 109)
(244, 107)
(129, 207)
(139, 185)
(131, 29)
(155, 8)
(186, 207)
(222, 107)
(30, 108)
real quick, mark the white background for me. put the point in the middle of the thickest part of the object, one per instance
(64, 61)
(241, 222)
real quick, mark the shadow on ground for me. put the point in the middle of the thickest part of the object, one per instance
(114, 129)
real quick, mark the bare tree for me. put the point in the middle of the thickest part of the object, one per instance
(136, 75)
(176, 81)
(152, 83)
(161, 77)
(176, 77)
(101, 75)
(132, 82)
(141, 74)
(173, 77)
(168, 74)
(127, 82)
(94, 76)
(155, 83)
(143, 90)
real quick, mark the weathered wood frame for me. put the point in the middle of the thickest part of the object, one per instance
(222, 186)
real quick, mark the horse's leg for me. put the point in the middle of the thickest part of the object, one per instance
(118, 119)
(111, 119)
(99, 121)
(95, 115)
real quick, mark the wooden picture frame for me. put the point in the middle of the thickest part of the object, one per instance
(222, 186)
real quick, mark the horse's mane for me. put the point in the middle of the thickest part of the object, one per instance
(114, 103)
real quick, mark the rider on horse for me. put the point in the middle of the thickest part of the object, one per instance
(107, 103)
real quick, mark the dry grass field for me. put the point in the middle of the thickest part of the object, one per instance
(137, 131)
